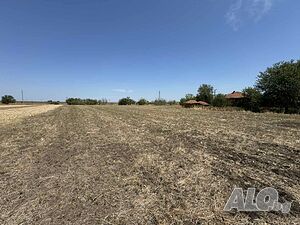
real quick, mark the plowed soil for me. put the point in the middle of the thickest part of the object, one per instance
(145, 165)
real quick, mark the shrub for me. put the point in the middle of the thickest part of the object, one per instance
(142, 101)
(172, 102)
(53, 102)
(187, 98)
(7, 99)
(103, 101)
(74, 101)
(182, 101)
(126, 101)
(252, 100)
(219, 101)
(160, 102)
(78, 101)
(90, 101)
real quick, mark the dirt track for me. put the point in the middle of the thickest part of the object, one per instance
(145, 165)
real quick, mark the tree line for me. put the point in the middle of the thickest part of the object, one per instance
(122, 101)
(143, 101)
(276, 89)
(87, 101)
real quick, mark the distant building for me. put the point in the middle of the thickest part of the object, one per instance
(235, 98)
(193, 103)
(235, 95)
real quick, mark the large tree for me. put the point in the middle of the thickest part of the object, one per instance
(220, 101)
(252, 100)
(280, 85)
(126, 101)
(6, 99)
(142, 101)
(205, 93)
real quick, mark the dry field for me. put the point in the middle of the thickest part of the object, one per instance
(144, 165)
(15, 113)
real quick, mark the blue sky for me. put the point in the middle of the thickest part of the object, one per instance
(53, 49)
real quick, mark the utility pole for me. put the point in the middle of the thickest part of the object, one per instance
(22, 95)
(158, 95)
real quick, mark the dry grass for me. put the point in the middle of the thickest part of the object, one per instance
(15, 113)
(12, 106)
(145, 165)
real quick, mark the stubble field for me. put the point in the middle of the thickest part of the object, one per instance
(144, 165)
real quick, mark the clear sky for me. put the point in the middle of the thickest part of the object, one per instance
(53, 49)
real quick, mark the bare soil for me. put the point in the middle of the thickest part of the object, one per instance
(145, 165)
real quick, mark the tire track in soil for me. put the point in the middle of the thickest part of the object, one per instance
(250, 168)
(106, 165)
(158, 172)
(73, 172)
(60, 163)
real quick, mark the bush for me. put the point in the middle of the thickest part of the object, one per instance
(252, 100)
(74, 101)
(187, 98)
(126, 101)
(90, 101)
(172, 102)
(53, 102)
(159, 102)
(219, 101)
(103, 101)
(7, 99)
(182, 101)
(78, 101)
(142, 101)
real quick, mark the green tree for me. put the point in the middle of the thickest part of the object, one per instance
(159, 102)
(219, 101)
(89, 101)
(53, 102)
(79, 101)
(280, 85)
(187, 98)
(142, 101)
(205, 93)
(103, 101)
(7, 99)
(252, 100)
(172, 102)
(126, 101)
(74, 101)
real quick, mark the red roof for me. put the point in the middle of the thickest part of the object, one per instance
(194, 102)
(235, 95)
(191, 102)
(203, 103)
